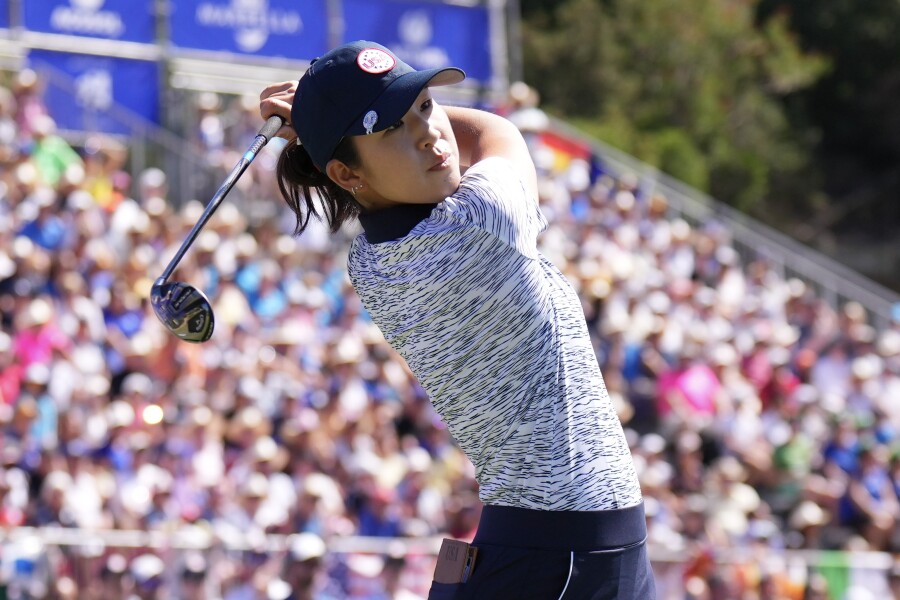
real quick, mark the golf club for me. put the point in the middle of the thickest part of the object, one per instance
(182, 308)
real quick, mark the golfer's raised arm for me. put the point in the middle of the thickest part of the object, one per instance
(481, 134)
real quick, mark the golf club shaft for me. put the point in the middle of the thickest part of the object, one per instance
(273, 124)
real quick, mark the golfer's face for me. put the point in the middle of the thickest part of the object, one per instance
(415, 161)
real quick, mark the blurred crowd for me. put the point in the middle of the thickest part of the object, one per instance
(759, 415)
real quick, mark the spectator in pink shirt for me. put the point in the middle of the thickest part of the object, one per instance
(686, 394)
(37, 336)
(11, 371)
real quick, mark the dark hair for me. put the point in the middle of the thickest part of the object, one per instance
(298, 176)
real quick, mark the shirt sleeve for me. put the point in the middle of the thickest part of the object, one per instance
(493, 197)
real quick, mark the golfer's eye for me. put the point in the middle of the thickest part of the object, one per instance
(426, 106)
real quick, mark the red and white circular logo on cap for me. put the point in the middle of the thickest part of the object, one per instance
(373, 60)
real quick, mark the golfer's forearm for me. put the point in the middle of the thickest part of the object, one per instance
(481, 134)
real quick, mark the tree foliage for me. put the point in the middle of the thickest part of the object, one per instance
(856, 105)
(695, 87)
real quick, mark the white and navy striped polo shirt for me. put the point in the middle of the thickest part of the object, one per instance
(496, 336)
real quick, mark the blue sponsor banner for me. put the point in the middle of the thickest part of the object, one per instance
(121, 20)
(285, 28)
(4, 14)
(425, 34)
(89, 93)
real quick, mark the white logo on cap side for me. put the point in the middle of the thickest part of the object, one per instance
(369, 121)
(375, 61)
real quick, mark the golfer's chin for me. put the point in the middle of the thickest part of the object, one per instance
(448, 183)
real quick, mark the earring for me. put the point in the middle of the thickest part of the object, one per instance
(355, 189)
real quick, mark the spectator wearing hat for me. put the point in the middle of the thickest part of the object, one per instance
(36, 334)
(34, 389)
(147, 571)
(105, 178)
(44, 226)
(243, 511)
(51, 154)
(392, 579)
(251, 572)
(9, 130)
(816, 588)
(193, 577)
(27, 89)
(11, 515)
(303, 569)
(52, 506)
(114, 581)
(809, 520)
(19, 432)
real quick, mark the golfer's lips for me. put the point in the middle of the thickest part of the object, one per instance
(441, 162)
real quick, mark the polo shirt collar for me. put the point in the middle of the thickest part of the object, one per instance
(393, 223)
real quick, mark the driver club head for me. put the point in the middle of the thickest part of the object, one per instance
(184, 310)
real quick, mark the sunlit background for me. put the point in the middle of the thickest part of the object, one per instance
(700, 198)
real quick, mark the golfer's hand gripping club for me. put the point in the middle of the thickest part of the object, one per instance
(183, 309)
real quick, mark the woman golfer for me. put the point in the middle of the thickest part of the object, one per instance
(448, 268)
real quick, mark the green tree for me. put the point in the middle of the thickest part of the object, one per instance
(691, 86)
(856, 107)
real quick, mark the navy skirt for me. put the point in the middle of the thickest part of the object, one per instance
(546, 555)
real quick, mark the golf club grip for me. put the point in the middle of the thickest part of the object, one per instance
(273, 124)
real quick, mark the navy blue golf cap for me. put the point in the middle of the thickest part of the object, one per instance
(356, 89)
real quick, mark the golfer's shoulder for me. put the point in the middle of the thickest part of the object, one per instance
(491, 186)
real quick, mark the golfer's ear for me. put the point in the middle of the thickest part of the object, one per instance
(342, 175)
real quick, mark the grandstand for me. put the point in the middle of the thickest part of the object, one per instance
(295, 454)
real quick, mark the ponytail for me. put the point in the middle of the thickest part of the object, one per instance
(298, 176)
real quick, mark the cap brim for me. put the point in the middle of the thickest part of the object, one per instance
(445, 76)
(396, 99)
